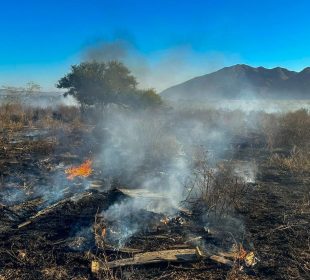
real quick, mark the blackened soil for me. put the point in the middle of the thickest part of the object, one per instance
(278, 224)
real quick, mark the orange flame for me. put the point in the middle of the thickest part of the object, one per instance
(165, 220)
(83, 170)
(241, 253)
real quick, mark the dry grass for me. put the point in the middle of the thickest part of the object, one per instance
(215, 192)
(294, 129)
(287, 130)
(298, 161)
(236, 273)
(287, 137)
(15, 116)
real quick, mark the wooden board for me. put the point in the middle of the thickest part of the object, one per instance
(222, 260)
(177, 256)
(180, 255)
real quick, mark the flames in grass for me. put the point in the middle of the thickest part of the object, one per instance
(83, 170)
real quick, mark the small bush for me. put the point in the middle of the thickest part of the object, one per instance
(215, 192)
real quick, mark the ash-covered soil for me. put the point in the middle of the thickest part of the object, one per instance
(278, 223)
(59, 244)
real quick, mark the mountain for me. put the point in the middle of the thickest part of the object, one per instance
(243, 82)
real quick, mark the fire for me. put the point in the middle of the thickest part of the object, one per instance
(248, 257)
(241, 253)
(165, 220)
(104, 232)
(83, 170)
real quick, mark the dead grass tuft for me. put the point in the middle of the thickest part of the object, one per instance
(298, 161)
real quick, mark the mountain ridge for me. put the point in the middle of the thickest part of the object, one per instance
(242, 81)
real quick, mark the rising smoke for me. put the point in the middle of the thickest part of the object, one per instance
(157, 69)
(156, 150)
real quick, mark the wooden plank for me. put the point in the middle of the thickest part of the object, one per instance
(177, 256)
(180, 255)
(143, 193)
(222, 260)
(151, 196)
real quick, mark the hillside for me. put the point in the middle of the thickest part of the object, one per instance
(243, 82)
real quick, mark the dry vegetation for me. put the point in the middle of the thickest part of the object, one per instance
(214, 192)
(287, 138)
(15, 116)
(298, 161)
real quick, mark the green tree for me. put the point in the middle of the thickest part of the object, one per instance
(100, 83)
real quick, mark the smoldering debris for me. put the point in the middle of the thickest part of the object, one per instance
(163, 153)
(133, 202)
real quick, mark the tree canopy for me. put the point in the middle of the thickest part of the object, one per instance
(101, 83)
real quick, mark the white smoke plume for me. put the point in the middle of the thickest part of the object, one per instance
(155, 150)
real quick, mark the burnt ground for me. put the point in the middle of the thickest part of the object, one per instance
(275, 212)
(278, 222)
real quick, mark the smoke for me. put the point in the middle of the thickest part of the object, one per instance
(38, 99)
(116, 50)
(137, 144)
(156, 151)
(157, 69)
(125, 219)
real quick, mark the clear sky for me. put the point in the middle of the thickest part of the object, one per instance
(41, 39)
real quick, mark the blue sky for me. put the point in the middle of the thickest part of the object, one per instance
(41, 39)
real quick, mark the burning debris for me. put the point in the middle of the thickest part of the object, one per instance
(156, 231)
(83, 170)
(244, 257)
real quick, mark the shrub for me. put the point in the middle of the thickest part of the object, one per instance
(214, 192)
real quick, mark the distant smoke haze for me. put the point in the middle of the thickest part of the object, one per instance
(158, 69)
